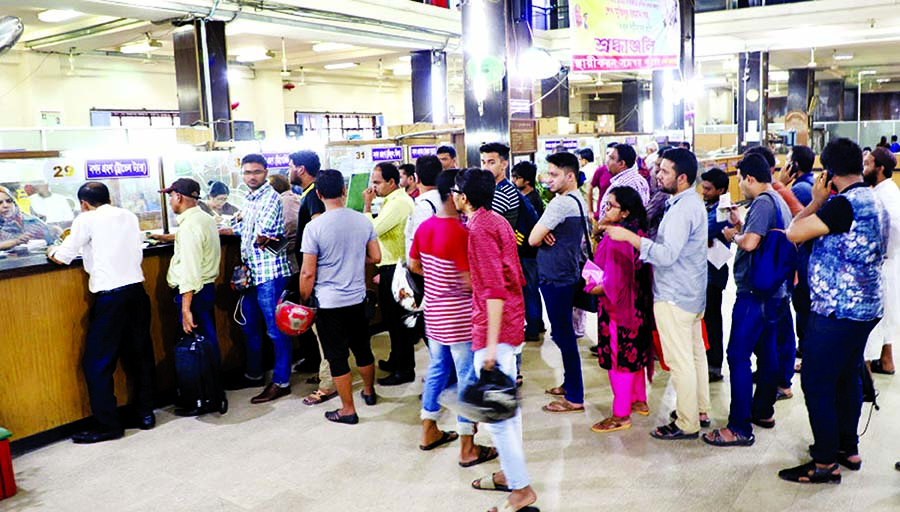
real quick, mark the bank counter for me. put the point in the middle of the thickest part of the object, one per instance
(44, 322)
(44, 307)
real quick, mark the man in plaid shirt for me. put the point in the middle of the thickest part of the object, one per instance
(262, 221)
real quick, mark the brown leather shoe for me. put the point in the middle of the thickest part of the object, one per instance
(272, 392)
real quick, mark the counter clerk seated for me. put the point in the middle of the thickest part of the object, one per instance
(110, 240)
(18, 228)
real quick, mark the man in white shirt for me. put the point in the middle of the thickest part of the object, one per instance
(429, 200)
(110, 241)
(878, 167)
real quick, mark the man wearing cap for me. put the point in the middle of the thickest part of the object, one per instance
(194, 266)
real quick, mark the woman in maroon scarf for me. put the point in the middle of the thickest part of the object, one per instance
(625, 315)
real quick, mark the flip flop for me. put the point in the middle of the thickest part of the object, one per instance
(485, 453)
(446, 437)
(487, 483)
(318, 396)
(610, 425)
(718, 440)
(557, 391)
(559, 407)
(642, 413)
(876, 367)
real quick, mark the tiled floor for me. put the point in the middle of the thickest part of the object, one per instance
(285, 456)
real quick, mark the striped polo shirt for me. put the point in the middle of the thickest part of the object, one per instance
(441, 244)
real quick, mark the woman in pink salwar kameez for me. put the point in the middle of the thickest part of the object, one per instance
(625, 313)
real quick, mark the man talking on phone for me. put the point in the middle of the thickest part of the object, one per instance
(798, 170)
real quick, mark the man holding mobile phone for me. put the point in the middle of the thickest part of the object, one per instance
(262, 222)
(798, 170)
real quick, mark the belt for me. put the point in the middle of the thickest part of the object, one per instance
(120, 289)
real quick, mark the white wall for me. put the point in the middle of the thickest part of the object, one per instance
(395, 102)
(715, 104)
(31, 82)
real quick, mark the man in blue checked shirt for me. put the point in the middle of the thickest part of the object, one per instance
(263, 221)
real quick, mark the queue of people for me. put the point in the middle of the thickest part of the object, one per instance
(658, 289)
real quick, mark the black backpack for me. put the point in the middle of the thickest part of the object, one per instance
(525, 221)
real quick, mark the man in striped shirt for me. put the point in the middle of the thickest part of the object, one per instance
(622, 164)
(439, 252)
(495, 158)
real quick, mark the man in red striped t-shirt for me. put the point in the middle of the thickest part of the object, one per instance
(439, 252)
(498, 318)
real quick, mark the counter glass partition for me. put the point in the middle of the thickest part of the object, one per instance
(44, 198)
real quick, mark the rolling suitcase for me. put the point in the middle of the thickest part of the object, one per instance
(198, 374)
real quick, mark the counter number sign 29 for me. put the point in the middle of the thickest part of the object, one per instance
(63, 171)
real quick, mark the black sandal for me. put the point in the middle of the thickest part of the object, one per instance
(716, 439)
(759, 422)
(704, 423)
(671, 432)
(876, 367)
(337, 417)
(446, 437)
(485, 453)
(810, 473)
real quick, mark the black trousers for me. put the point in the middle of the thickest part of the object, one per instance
(119, 325)
(713, 319)
(403, 354)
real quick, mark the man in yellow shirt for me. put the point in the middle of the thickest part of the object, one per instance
(194, 266)
(390, 226)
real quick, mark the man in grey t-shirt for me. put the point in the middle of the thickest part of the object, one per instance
(336, 247)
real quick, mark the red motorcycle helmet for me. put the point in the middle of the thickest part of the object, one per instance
(291, 318)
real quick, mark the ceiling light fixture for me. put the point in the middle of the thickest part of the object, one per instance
(402, 70)
(883, 80)
(341, 65)
(57, 15)
(842, 56)
(405, 58)
(254, 54)
(147, 45)
(330, 47)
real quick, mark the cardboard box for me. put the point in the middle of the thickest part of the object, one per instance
(606, 123)
(586, 127)
(553, 126)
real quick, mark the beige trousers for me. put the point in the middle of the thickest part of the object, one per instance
(682, 343)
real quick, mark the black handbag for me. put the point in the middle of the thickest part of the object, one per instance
(582, 299)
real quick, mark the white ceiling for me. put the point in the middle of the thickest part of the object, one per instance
(870, 29)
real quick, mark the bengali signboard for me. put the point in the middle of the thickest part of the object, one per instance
(389, 154)
(625, 35)
(551, 145)
(277, 160)
(417, 151)
(116, 168)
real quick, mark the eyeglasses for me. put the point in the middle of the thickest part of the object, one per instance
(610, 206)
(6, 201)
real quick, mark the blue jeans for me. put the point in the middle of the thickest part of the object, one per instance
(559, 309)
(507, 434)
(202, 304)
(752, 331)
(785, 343)
(443, 359)
(832, 362)
(259, 310)
(534, 310)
